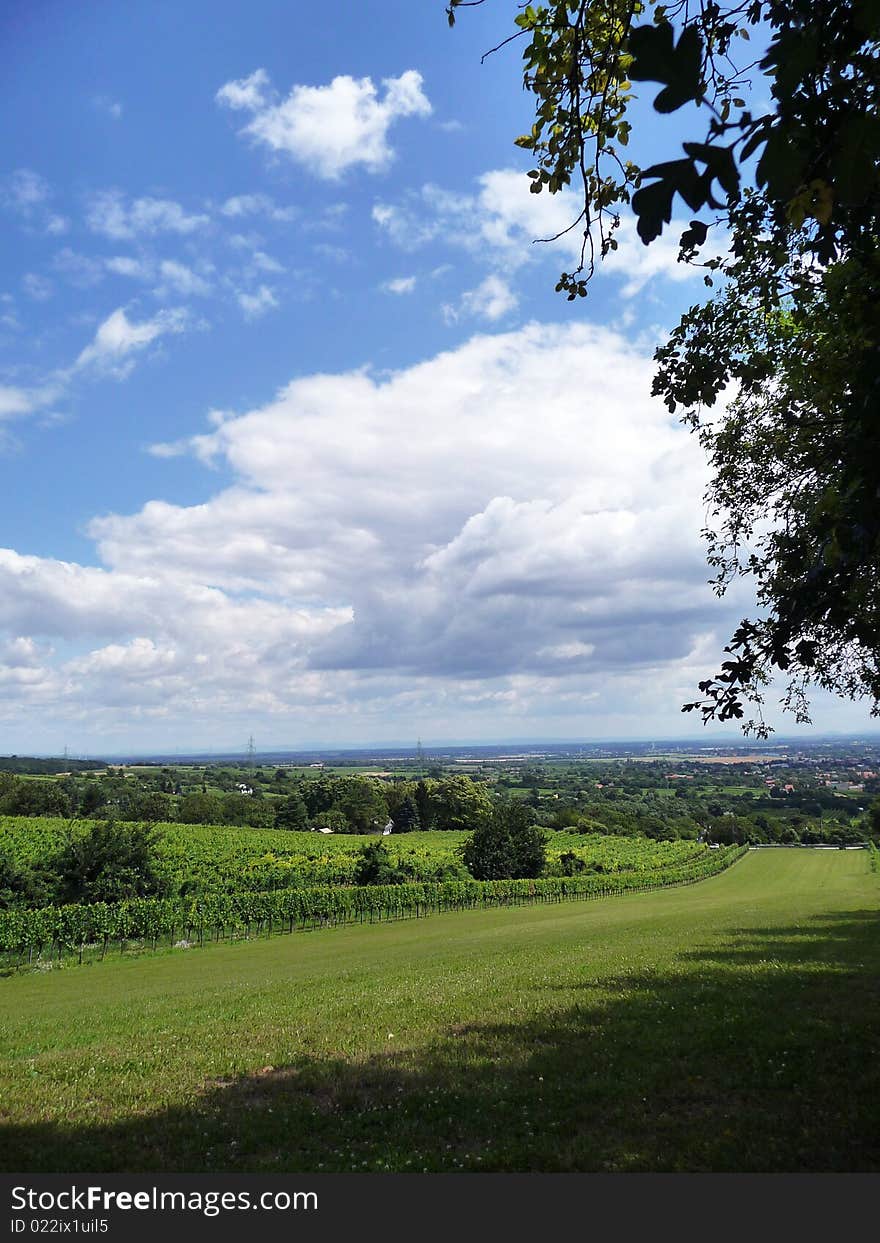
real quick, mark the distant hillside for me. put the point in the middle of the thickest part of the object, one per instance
(28, 764)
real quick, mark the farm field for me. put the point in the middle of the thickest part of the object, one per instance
(732, 1025)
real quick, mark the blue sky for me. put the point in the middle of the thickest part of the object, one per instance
(296, 438)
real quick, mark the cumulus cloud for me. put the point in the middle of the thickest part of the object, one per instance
(110, 214)
(118, 338)
(461, 540)
(509, 529)
(331, 128)
(400, 284)
(492, 299)
(246, 94)
(203, 649)
(501, 219)
(505, 225)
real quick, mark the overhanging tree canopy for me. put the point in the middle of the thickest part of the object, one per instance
(793, 327)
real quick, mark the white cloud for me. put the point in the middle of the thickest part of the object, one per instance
(179, 279)
(407, 229)
(16, 402)
(499, 222)
(400, 284)
(257, 303)
(118, 338)
(111, 215)
(126, 265)
(24, 189)
(509, 218)
(261, 262)
(246, 94)
(28, 194)
(638, 264)
(505, 225)
(504, 532)
(172, 277)
(331, 128)
(257, 205)
(470, 543)
(492, 299)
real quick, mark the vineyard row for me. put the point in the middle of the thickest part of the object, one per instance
(65, 930)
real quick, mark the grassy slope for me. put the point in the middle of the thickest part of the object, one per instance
(728, 1026)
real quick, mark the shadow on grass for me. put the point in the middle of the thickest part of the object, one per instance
(760, 1054)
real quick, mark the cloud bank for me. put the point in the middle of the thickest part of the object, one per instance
(508, 528)
(328, 129)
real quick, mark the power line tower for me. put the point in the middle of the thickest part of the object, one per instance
(251, 752)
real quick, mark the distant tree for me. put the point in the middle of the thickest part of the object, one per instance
(658, 829)
(21, 885)
(332, 818)
(873, 818)
(395, 791)
(459, 804)
(244, 809)
(108, 863)
(153, 806)
(197, 808)
(570, 863)
(533, 776)
(34, 798)
(362, 802)
(424, 803)
(507, 846)
(375, 866)
(406, 818)
(292, 813)
(318, 794)
(91, 799)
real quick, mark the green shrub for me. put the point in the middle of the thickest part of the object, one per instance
(509, 846)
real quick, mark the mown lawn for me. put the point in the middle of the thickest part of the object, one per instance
(732, 1025)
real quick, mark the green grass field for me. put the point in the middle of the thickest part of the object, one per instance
(732, 1025)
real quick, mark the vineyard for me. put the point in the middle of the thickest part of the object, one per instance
(59, 931)
(204, 859)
